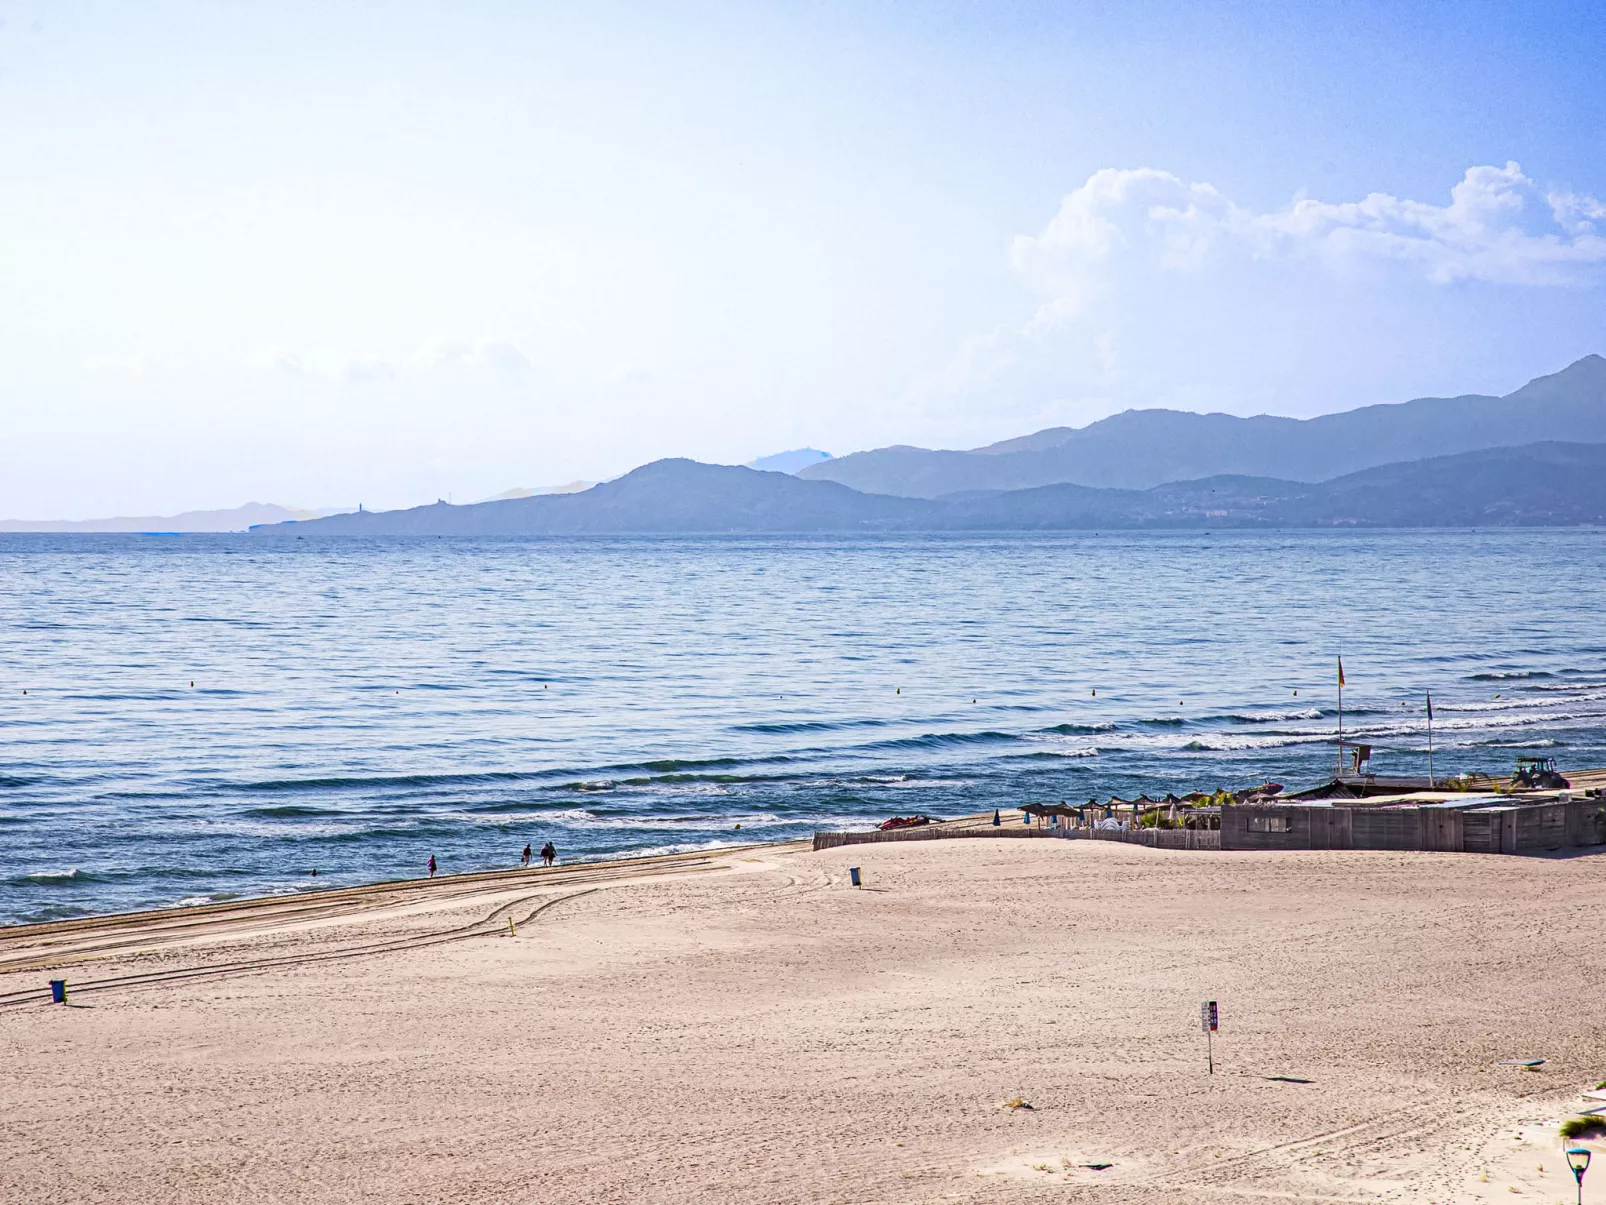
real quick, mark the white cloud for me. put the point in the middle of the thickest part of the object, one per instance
(1499, 227)
(1149, 290)
(135, 364)
(496, 355)
(501, 359)
(1117, 213)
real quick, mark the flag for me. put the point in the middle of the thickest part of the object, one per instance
(1430, 707)
(1341, 673)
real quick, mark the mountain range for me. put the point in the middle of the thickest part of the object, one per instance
(1542, 484)
(1536, 457)
(1142, 448)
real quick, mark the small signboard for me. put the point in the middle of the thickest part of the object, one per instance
(1208, 1019)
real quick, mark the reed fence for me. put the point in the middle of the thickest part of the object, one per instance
(1154, 838)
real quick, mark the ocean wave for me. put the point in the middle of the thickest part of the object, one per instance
(1525, 703)
(434, 827)
(1224, 743)
(1079, 729)
(723, 780)
(905, 782)
(1509, 675)
(1273, 717)
(581, 818)
(53, 878)
(940, 740)
(548, 816)
(676, 765)
(649, 851)
(214, 897)
(785, 727)
(359, 781)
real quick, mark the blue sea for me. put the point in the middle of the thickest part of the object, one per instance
(194, 718)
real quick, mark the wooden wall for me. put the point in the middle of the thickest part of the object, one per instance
(1542, 827)
(1517, 828)
(1385, 828)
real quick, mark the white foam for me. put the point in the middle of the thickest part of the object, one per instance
(54, 876)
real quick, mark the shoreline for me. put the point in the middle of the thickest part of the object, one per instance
(744, 1024)
(356, 890)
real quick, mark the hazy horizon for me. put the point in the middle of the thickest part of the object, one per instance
(302, 253)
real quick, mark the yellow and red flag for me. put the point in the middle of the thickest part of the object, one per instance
(1341, 673)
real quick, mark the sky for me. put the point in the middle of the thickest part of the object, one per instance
(328, 253)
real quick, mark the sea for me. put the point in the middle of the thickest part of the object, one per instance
(194, 718)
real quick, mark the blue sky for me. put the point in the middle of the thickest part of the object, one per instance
(325, 253)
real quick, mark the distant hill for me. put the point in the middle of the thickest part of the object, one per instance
(535, 491)
(789, 462)
(1539, 485)
(1544, 484)
(665, 496)
(240, 518)
(1139, 449)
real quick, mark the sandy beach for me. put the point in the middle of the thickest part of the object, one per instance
(745, 1026)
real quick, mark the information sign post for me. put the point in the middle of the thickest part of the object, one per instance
(1207, 1022)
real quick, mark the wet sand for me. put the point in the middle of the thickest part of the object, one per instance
(746, 1027)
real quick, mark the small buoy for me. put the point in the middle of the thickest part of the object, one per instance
(1296, 692)
(1095, 693)
(738, 826)
(192, 681)
(900, 691)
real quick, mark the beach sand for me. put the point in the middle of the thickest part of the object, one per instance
(746, 1027)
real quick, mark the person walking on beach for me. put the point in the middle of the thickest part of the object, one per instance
(432, 866)
(524, 859)
(549, 853)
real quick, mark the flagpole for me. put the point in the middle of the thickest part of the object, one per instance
(1341, 715)
(1430, 740)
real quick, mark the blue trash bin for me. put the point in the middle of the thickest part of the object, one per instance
(853, 875)
(58, 991)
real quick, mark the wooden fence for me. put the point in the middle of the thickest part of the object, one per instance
(1480, 824)
(1154, 838)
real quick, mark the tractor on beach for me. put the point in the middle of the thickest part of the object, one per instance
(1538, 773)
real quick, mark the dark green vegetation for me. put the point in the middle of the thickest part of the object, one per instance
(1583, 1127)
